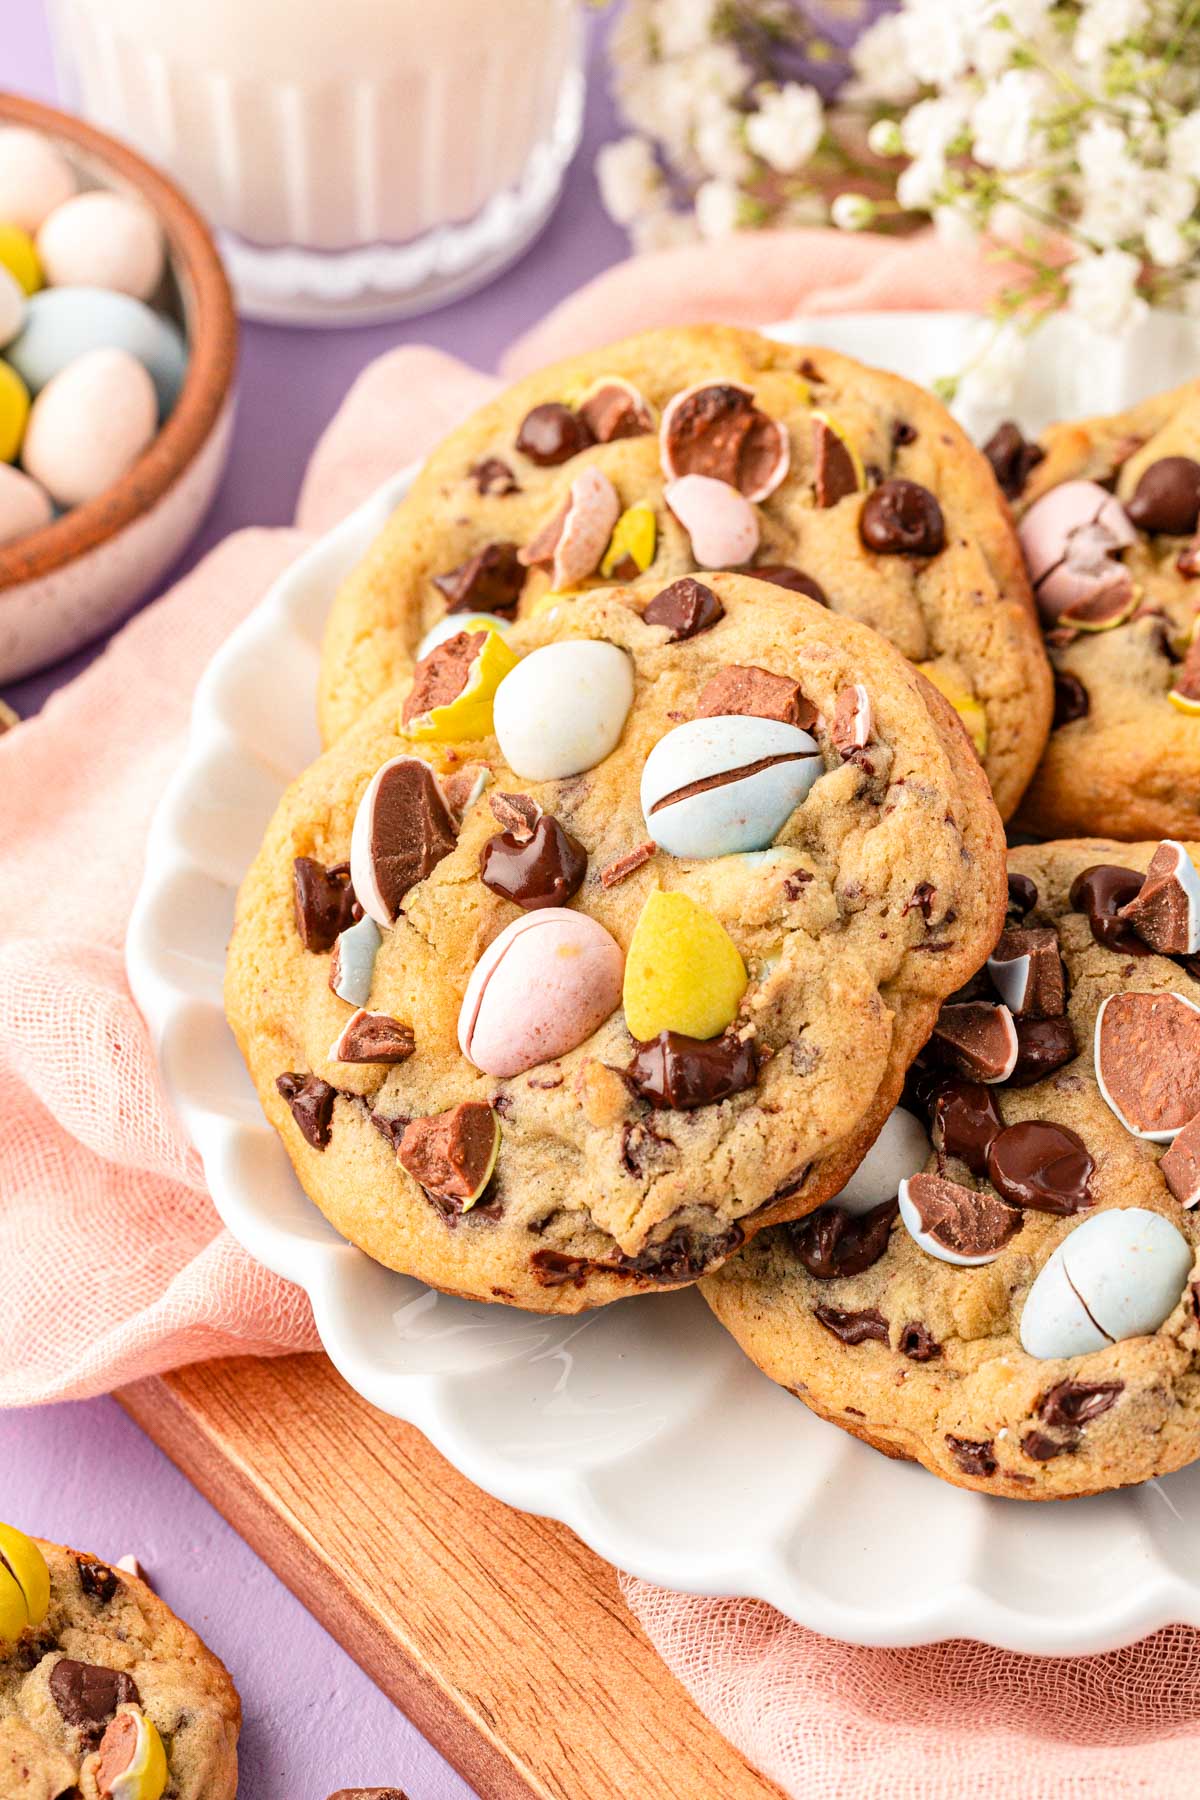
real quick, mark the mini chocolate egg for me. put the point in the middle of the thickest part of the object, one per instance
(63, 323)
(35, 177)
(89, 425)
(563, 708)
(713, 787)
(18, 254)
(131, 1762)
(539, 990)
(12, 306)
(104, 240)
(25, 1589)
(1070, 539)
(964, 1226)
(453, 623)
(14, 413)
(901, 1150)
(720, 521)
(24, 506)
(1117, 1275)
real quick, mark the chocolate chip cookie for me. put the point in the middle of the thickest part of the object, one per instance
(707, 447)
(1108, 512)
(1019, 1309)
(567, 1009)
(104, 1694)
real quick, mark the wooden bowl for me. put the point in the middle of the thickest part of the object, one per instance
(77, 577)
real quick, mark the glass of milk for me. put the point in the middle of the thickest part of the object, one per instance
(361, 159)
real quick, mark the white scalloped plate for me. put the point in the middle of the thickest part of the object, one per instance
(641, 1426)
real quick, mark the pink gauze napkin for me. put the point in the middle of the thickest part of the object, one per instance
(113, 1264)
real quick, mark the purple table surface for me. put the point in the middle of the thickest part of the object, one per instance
(83, 1474)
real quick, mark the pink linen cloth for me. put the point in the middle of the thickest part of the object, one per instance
(113, 1263)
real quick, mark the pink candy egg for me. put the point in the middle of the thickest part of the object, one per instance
(102, 240)
(89, 425)
(539, 990)
(721, 522)
(1069, 539)
(35, 177)
(24, 506)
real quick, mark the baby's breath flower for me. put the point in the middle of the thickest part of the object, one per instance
(719, 206)
(1103, 291)
(787, 127)
(884, 138)
(852, 212)
(631, 182)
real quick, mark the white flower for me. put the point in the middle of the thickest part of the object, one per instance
(929, 128)
(1114, 184)
(852, 212)
(1003, 120)
(630, 180)
(662, 230)
(1166, 243)
(939, 36)
(1104, 291)
(1104, 23)
(918, 185)
(955, 225)
(682, 26)
(884, 138)
(1183, 146)
(718, 208)
(879, 59)
(1020, 22)
(787, 127)
(715, 73)
(720, 144)
(989, 382)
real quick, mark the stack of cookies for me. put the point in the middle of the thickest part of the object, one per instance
(648, 919)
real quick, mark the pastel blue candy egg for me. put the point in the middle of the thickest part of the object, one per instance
(62, 323)
(754, 772)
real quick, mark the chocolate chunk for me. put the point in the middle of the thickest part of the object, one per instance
(409, 832)
(1041, 1165)
(686, 608)
(852, 1327)
(490, 581)
(371, 1037)
(544, 869)
(323, 901)
(1071, 1403)
(852, 723)
(311, 1101)
(493, 476)
(1180, 1166)
(1041, 1448)
(1043, 1045)
(88, 1694)
(682, 1256)
(756, 693)
(918, 1343)
(967, 1221)
(1013, 457)
(921, 900)
(973, 1455)
(1028, 974)
(517, 813)
(97, 1580)
(1071, 700)
(621, 866)
(1163, 911)
(552, 434)
(902, 518)
(834, 474)
(976, 1039)
(614, 410)
(452, 1154)
(440, 677)
(1167, 497)
(832, 1243)
(682, 1072)
(1148, 1060)
(1101, 891)
(718, 431)
(795, 580)
(392, 1130)
(463, 786)
(964, 1121)
(1022, 894)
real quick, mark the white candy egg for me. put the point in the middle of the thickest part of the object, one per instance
(89, 425)
(103, 240)
(24, 506)
(563, 708)
(738, 811)
(354, 961)
(62, 323)
(12, 307)
(35, 177)
(901, 1149)
(1117, 1275)
(910, 1218)
(453, 623)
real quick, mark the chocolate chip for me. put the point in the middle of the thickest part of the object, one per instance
(967, 1221)
(1028, 973)
(392, 1130)
(1071, 700)
(682, 1256)
(903, 433)
(311, 1101)
(834, 474)
(88, 1694)
(755, 693)
(1013, 457)
(832, 1243)
(451, 1154)
(976, 1039)
(783, 575)
(1043, 1045)
(323, 902)
(1161, 912)
(719, 432)
(622, 866)
(686, 608)
(552, 434)
(1101, 891)
(1071, 1403)
(918, 1343)
(409, 831)
(965, 1119)
(440, 677)
(902, 518)
(1041, 1165)
(490, 581)
(920, 900)
(1167, 497)
(615, 410)
(852, 1327)
(1022, 894)
(973, 1455)
(493, 476)
(1041, 1448)
(545, 869)
(682, 1072)
(374, 1038)
(97, 1580)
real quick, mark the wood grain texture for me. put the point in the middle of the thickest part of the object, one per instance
(500, 1635)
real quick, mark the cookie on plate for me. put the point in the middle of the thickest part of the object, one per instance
(1109, 509)
(564, 1010)
(708, 447)
(104, 1693)
(1018, 1307)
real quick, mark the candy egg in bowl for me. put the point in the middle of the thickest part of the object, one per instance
(118, 346)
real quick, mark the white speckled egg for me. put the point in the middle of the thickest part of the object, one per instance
(35, 177)
(24, 506)
(754, 772)
(1117, 1275)
(102, 240)
(63, 323)
(12, 307)
(563, 708)
(89, 425)
(901, 1149)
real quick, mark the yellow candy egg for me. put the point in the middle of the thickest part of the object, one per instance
(965, 705)
(18, 254)
(1183, 704)
(683, 971)
(469, 716)
(131, 1763)
(635, 535)
(24, 1583)
(14, 412)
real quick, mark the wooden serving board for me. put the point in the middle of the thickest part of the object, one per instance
(500, 1635)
